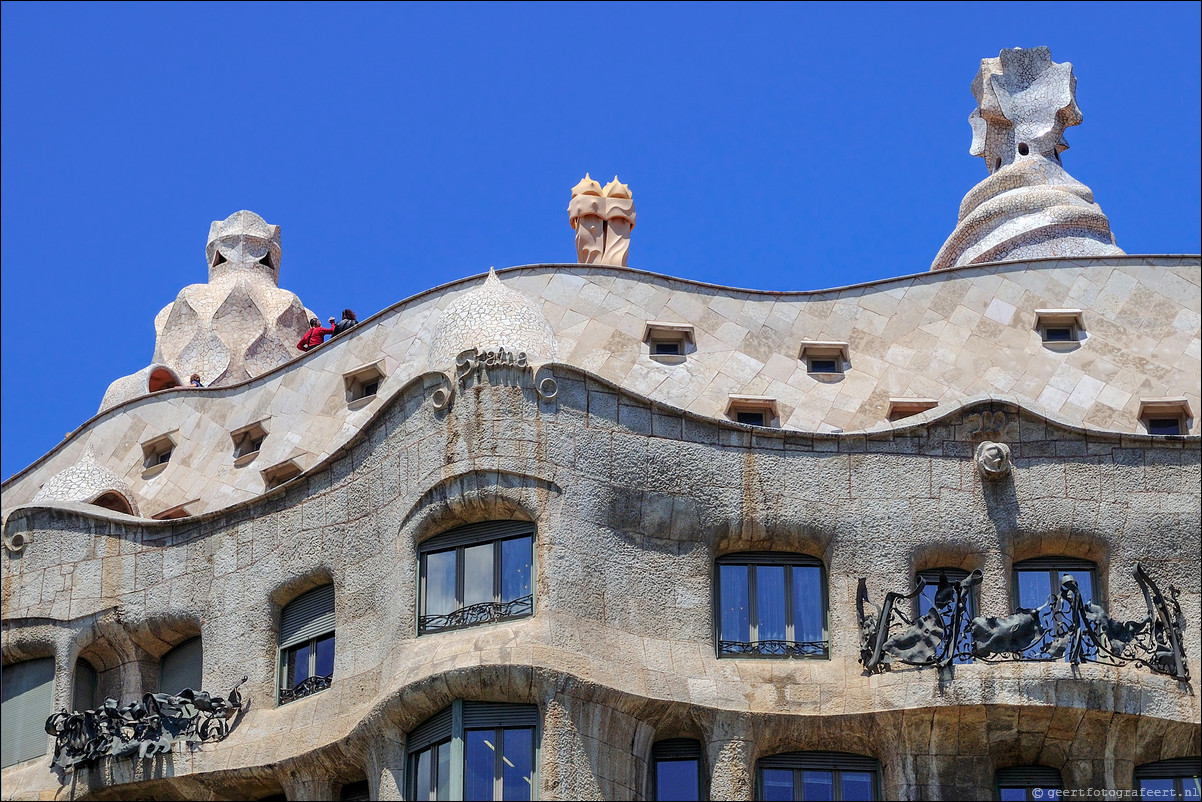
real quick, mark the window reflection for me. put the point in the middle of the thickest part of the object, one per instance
(771, 604)
(472, 583)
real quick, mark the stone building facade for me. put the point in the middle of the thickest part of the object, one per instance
(706, 514)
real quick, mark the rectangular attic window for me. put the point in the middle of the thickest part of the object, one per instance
(1060, 328)
(156, 453)
(277, 475)
(363, 383)
(825, 357)
(1165, 416)
(667, 342)
(754, 410)
(905, 407)
(248, 442)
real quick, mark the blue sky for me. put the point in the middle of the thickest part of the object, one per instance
(399, 146)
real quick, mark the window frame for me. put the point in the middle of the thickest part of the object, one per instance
(931, 577)
(677, 750)
(1029, 778)
(1177, 769)
(835, 762)
(450, 726)
(177, 651)
(87, 674)
(755, 559)
(460, 539)
(36, 733)
(1053, 566)
(286, 645)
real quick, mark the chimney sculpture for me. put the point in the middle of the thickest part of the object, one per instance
(1028, 207)
(603, 219)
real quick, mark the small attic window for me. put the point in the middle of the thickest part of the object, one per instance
(114, 501)
(156, 454)
(825, 357)
(218, 259)
(248, 441)
(753, 410)
(266, 261)
(161, 379)
(668, 342)
(363, 383)
(1060, 328)
(277, 475)
(905, 407)
(1165, 416)
(173, 513)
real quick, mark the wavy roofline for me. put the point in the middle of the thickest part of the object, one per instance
(1160, 260)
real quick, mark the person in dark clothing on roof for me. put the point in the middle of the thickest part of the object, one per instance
(348, 320)
(316, 334)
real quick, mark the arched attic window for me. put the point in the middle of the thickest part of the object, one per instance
(161, 379)
(114, 501)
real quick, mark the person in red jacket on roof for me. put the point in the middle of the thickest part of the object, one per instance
(316, 334)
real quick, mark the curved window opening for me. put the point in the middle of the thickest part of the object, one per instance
(818, 775)
(161, 379)
(1023, 150)
(476, 574)
(218, 258)
(676, 772)
(1019, 783)
(307, 644)
(475, 750)
(1178, 778)
(114, 501)
(771, 604)
(85, 695)
(937, 598)
(182, 667)
(27, 701)
(358, 791)
(266, 261)
(1047, 585)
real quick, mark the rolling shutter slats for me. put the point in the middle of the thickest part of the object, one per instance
(1175, 767)
(84, 696)
(821, 760)
(486, 715)
(676, 749)
(437, 728)
(1029, 776)
(477, 533)
(28, 700)
(307, 617)
(182, 667)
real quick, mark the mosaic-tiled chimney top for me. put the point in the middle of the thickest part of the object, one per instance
(1029, 207)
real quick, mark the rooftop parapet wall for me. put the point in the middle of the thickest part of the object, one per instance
(945, 336)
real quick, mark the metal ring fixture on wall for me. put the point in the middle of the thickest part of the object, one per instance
(441, 397)
(547, 387)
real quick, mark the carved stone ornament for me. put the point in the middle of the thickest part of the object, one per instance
(1066, 627)
(500, 366)
(603, 219)
(142, 729)
(993, 459)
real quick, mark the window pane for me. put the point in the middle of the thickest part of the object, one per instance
(1012, 794)
(1156, 789)
(422, 774)
(517, 769)
(807, 604)
(1034, 587)
(1084, 582)
(477, 574)
(442, 779)
(515, 568)
(440, 583)
(677, 780)
(480, 758)
(778, 785)
(1193, 787)
(857, 786)
(298, 665)
(736, 623)
(770, 601)
(325, 656)
(817, 785)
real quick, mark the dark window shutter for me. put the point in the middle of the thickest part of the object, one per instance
(307, 616)
(477, 533)
(486, 715)
(1029, 777)
(825, 761)
(676, 749)
(436, 728)
(28, 700)
(83, 696)
(768, 558)
(1055, 563)
(1175, 767)
(182, 667)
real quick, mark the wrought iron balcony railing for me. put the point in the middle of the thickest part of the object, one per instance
(482, 613)
(306, 687)
(775, 648)
(1066, 627)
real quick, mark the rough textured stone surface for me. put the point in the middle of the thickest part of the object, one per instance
(85, 482)
(1029, 207)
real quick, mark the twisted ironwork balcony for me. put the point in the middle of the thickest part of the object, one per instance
(1066, 627)
(305, 688)
(775, 648)
(482, 613)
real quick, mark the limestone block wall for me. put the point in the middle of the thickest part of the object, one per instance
(953, 335)
(633, 501)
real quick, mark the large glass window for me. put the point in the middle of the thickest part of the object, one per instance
(182, 667)
(475, 750)
(1179, 778)
(771, 604)
(818, 776)
(475, 575)
(1037, 581)
(676, 770)
(28, 700)
(944, 604)
(1020, 783)
(307, 644)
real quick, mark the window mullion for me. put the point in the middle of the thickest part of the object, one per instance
(458, 753)
(460, 567)
(789, 630)
(496, 571)
(753, 611)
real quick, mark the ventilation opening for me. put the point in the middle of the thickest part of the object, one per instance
(998, 164)
(1023, 150)
(114, 501)
(218, 259)
(266, 261)
(161, 379)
